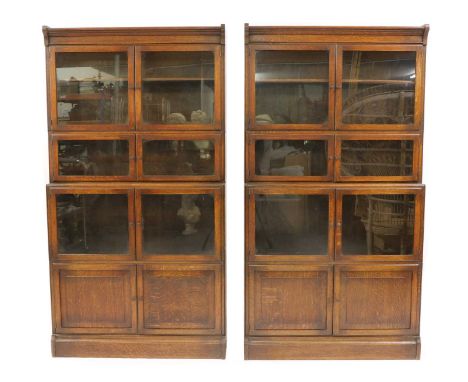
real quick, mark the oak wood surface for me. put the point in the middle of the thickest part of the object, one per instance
(126, 304)
(376, 297)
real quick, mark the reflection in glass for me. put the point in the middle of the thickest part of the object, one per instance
(378, 87)
(293, 224)
(291, 87)
(92, 88)
(93, 158)
(291, 157)
(178, 87)
(376, 158)
(178, 157)
(178, 224)
(92, 223)
(378, 224)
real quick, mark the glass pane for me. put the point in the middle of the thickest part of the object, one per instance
(178, 87)
(178, 224)
(291, 87)
(92, 223)
(293, 224)
(376, 158)
(291, 157)
(178, 157)
(378, 87)
(93, 158)
(92, 88)
(378, 224)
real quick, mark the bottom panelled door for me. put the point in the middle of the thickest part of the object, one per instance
(377, 299)
(180, 299)
(290, 300)
(94, 298)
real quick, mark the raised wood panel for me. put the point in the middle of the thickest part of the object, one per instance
(376, 299)
(179, 299)
(94, 298)
(292, 300)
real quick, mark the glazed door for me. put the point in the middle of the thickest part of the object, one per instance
(94, 298)
(92, 157)
(182, 222)
(290, 223)
(291, 300)
(91, 87)
(91, 223)
(178, 87)
(291, 86)
(379, 87)
(298, 156)
(181, 156)
(378, 157)
(379, 224)
(180, 299)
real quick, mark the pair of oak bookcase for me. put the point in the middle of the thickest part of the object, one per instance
(334, 200)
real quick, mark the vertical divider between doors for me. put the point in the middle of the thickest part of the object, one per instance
(333, 265)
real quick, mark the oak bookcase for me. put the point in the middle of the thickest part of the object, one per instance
(334, 200)
(136, 193)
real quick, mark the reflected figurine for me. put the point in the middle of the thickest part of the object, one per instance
(190, 213)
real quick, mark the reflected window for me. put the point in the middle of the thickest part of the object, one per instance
(92, 88)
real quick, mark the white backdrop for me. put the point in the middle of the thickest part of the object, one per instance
(24, 281)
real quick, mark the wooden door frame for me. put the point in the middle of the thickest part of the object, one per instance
(57, 189)
(289, 189)
(252, 136)
(416, 163)
(390, 189)
(218, 96)
(52, 75)
(216, 137)
(418, 86)
(217, 190)
(54, 138)
(250, 84)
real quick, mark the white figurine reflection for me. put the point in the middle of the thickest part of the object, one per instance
(190, 214)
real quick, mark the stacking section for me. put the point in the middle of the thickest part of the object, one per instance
(136, 193)
(334, 200)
